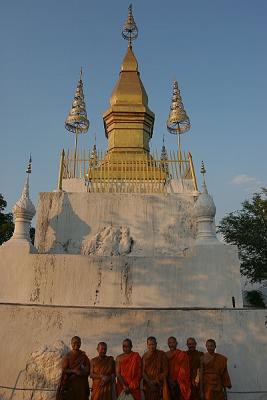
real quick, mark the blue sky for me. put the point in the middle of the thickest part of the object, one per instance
(215, 49)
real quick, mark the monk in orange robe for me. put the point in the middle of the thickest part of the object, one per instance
(102, 374)
(129, 371)
(214, 375)
(179, 372)
(75, 370)
(155, 372)
(194, 363)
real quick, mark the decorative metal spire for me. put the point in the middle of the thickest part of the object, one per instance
(203, 172)
(164, 156)
(94, 157)
(77, 122)
(178, 121)
(130, 30)
(29, 168)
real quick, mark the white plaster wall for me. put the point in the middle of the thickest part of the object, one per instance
(206, 276)
(160, 224)
(240, 335)
(74, 185)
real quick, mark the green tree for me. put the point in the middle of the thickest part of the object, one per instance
(247, 229)
(255, 298)
(6, 222)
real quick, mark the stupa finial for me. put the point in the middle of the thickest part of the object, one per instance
(178, 121)
(77, 121)
(29, 167)
(164, 155)
(130, 30)
(203, 172)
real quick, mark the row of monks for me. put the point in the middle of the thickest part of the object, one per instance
(158, 375)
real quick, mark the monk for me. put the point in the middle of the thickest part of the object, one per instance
(75, 370)
(179, 372)
(155, 372)
(102, 374)
(129, 371)
(194, 363)
(214, 375)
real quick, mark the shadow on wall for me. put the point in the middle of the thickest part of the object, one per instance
(64, 221)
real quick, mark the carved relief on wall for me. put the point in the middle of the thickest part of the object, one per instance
(110, 241)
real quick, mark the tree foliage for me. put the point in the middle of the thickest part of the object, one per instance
(255, 298)
(247, 229)
(6, 222)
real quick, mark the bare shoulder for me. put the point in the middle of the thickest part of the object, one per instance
(119, 357)
(221, 357)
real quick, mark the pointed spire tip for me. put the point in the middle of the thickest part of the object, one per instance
(29, 167)
(130, 30)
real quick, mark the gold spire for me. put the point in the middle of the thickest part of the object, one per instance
(129, 88)
(129, 122)
(129, 62)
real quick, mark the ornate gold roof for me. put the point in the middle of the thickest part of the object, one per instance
(129, 88)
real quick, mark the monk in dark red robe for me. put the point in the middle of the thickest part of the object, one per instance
(194, 363)
(179, 372)
(129, 371)
(214, 374)
(102, 374)
(75, 370)
(155, 372)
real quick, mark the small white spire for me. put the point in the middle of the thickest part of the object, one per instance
(23, 212)
(205, 211)
(24, 205)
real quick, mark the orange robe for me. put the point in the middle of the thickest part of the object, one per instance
(215, 377)
(155, 368)
(179, 372)
(72, 386)
(102, 366)
(194, 364)
(130, 368)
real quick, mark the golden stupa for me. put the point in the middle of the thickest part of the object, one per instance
(128, 165)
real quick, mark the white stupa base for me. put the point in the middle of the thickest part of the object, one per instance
(19, 245)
